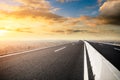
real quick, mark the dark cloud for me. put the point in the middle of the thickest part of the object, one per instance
(71, 31)
(58, 31)
(77, 30)
(110, 11)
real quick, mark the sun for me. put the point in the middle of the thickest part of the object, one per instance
(3, 32)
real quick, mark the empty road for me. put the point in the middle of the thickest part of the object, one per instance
(63, 62)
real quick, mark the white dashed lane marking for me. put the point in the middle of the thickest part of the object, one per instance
(60, 49)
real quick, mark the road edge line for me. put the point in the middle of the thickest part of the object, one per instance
(86, 77)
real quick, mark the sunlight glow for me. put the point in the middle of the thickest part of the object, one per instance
(3, 32)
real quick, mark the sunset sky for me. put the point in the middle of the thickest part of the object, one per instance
(60, 19)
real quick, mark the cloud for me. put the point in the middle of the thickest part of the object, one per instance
(86, 21)
(36, 9)
(38, 17)
(76, 21)
(6, 7)
(109, 14)
(42, 11)
(55, 9)
(29, 7)
(68, 31)
(35, 4)
(110, 11)
(30, 16)
(63, 1)
(100, 2)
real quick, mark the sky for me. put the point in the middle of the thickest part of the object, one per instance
(60, 19)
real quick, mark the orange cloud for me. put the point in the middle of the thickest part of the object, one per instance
(38, 14)
(37, 17)
(62, 1)
(38, 5)
(86, 21)
(30, 8)
(33, 11)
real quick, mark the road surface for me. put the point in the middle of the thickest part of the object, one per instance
(63, 62)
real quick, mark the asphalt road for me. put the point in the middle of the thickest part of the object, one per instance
(65, 62)
(110, 52)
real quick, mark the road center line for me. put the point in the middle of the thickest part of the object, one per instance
(117, 49)
(60, 49)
